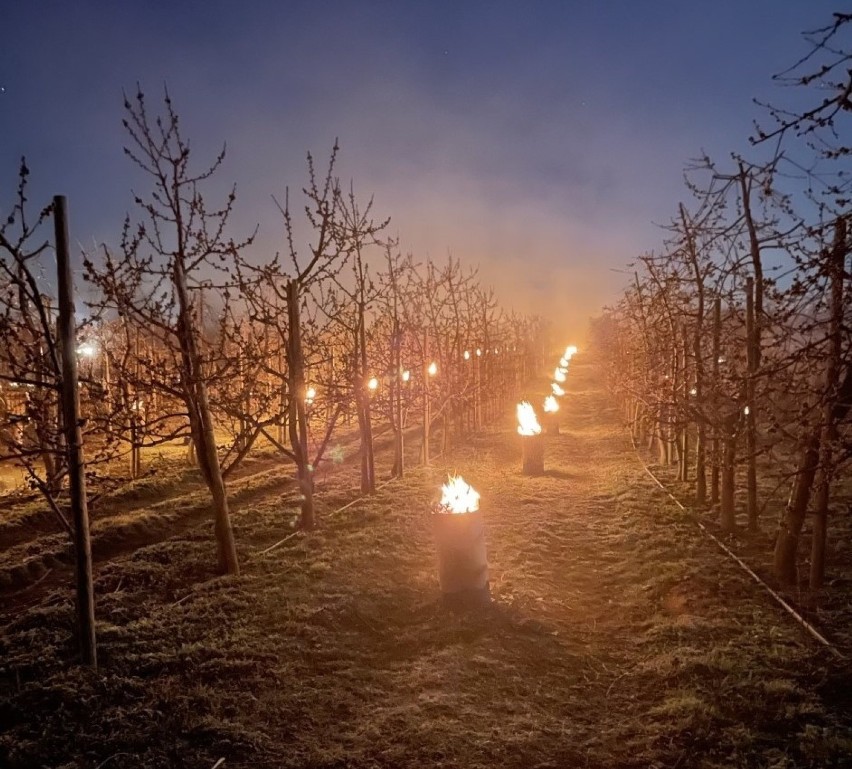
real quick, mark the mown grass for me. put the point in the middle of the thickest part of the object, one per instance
(617, 637)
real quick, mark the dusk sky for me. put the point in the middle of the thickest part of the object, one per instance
(539, 140)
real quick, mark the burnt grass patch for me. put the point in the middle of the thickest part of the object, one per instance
(617, 637)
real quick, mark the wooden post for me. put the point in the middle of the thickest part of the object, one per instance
(683, 472)
(751, 408)
(427, 417)
(74, 439)
(717, 352)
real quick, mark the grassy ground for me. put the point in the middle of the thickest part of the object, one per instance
(618, 637)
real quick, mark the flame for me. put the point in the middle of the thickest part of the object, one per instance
(458, 496)
(557, 390)
(527, 420)
(433, 368)
(551, 405)
(570, 351)
(559, 375)
(406, 375)
(373, 383)
(310, 395)
(563, 362)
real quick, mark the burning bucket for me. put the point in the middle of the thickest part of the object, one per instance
(532, 442)
(551, 415)
(533, 454)
(460, 538)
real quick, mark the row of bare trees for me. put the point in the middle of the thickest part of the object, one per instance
(188, 334)
(731, 347)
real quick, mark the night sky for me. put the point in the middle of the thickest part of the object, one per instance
(540, 140)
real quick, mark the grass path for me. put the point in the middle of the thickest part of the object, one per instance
(617, 637)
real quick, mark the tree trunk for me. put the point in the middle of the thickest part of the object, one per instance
(836, 269)
(727, 518)
(204, 437)
(298, 422)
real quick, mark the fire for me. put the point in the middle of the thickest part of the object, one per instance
(557, 390)
(433, 368)
(563, 362)
(559, 375)
(458, 496)
(570, 351)
(551, 405)
(527, 420)
(310, 395)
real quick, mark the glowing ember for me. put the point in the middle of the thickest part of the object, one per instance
(559, 375)
(433, 368)
(406, 375)
(458, 496)
(467, 354)
(551, 405)
(373, 383)
(527, 420)
(557, 390)
(310, 395)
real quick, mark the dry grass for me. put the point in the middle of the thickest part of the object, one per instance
(617, 637)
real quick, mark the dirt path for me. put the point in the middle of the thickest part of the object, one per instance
(617, 638)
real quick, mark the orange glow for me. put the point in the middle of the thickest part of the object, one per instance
(559, 375)
(373, 384)
(557, 390)
(527, 420)
(551, 405)
(458, 496)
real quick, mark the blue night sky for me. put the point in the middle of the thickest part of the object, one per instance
(539, 140)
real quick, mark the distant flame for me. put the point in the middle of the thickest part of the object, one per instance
(527, 420)
(556, 389)
(310, 395)
(458, 496)
(570, 351)
(433, 368)
(551, 405)
(559, 375)
(563, 362)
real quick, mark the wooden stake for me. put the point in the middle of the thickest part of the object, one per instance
(74, 439)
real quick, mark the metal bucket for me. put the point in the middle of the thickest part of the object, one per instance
(551, 423)
(533, 454)
(462, 559)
